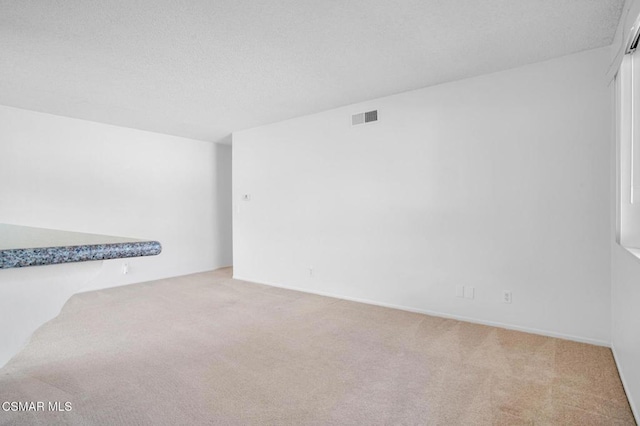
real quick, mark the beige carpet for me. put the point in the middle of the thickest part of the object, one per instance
(207, 349)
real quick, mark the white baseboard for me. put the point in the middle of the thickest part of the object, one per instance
(438, 314)
(634, 410)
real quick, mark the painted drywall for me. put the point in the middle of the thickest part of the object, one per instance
(32, 296)
(499, 182)
(76, 175)
(626, 321)
(625, 267)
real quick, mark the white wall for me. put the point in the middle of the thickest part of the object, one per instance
(625, 277)
(77, 175)
(626, 321)
(499, 182)
(29, 297)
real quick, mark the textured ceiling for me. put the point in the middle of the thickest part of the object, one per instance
(203, 68)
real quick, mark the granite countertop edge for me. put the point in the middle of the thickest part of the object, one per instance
(23, 257)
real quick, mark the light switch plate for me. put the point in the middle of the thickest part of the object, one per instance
(468, 292)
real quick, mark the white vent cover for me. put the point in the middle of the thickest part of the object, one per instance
(364, 117)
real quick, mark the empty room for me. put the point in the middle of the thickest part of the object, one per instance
(364, 212)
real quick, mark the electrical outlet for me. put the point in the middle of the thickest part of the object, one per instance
(311, 271)
(459, 291)
(468, 292)
(506, 296)
(246, 197)
(125, 268)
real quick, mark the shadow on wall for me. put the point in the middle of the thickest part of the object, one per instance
(223, 208)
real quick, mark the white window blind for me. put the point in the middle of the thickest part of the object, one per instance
(628, 113)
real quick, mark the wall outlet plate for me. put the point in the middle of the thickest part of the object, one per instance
(506, 296)
(459, 291)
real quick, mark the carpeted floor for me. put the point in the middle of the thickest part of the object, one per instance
(207, 349)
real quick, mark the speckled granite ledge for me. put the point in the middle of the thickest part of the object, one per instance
(22, 246)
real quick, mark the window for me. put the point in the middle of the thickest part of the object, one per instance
(628, 151)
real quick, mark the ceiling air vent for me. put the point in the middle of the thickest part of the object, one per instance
(364, 117)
